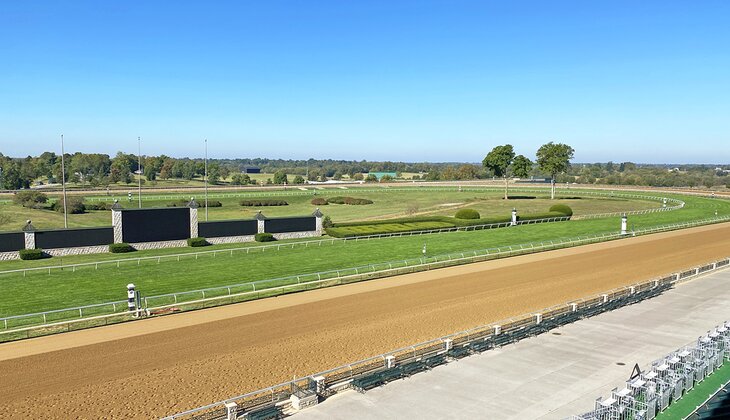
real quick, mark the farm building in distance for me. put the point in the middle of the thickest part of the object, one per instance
(251, 170)
(380, 175)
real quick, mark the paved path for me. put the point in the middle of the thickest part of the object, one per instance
(550, 376)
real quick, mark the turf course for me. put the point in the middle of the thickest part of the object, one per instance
(40, 291)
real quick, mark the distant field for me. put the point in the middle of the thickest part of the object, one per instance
(405, 201)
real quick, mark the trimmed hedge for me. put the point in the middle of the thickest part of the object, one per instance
(536, 216)
(31, 254)
(319, 201)
(97, 206)
(469, 214)
(184, 203)
(264, 237)
(197, 242)
(349, 200)
(562, 208)
(263, 203)
(121, 248)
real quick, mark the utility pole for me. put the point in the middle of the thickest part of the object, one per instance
(139, 169)
(63, 185)
(205, 178)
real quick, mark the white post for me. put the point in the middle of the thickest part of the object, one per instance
(231, 411)
(448, 344)
(497, 329)
(389, 361)
(514, 217)
(605, 298)
(624, 221)
(63, 185)
(131, 304)
(117, 222)
(29, 233)
(573, 307)
(320, 384)
(664, 202)
(538, 318)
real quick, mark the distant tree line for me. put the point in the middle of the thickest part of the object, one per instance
(100, 170)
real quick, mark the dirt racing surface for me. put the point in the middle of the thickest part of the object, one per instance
(160, 366)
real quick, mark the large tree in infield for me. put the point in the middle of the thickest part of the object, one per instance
(554, 158)
(498, 161)
(521, 166)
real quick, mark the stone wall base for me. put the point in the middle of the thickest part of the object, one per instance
(7, 256)
(297, 235)
(231, 239)
(160, 244)
(62, 252)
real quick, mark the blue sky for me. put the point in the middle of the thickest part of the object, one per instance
(417, 81)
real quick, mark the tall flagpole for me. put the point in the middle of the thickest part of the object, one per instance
(63, 185)
(206, 180)
(139, 169)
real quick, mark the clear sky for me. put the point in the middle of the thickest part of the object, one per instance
(645, 81)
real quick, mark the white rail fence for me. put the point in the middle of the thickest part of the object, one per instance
(24, 326)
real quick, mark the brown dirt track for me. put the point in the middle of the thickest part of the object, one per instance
(159, 366)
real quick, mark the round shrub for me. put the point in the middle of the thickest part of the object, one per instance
(31, 254)
(467, 214)
(264, 237)
(97, 206)
(74, 205)
(562, 208)
(319, 201)
(196, 242)
(121, 248)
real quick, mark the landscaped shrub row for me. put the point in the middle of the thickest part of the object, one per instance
(31, 254)
(319, 201)
(184, 203)
(468, 214)
(349, 200)
(537, 216)
(262, 203)
(97, 206)
(264, 237)
(121, 248)
(562, 208)
(197, 242)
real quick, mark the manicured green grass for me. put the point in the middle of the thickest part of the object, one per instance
(697, 396)
(387, 203)
(40, 291)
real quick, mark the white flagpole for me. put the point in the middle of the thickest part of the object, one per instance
(63, 185)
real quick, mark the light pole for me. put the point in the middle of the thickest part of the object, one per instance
(63, 185)
(205, 179)
(139, 170)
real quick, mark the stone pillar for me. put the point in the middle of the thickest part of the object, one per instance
(29, 231)
(261, 224)
(319, 384)
(231, 411)
(318, 221)
(514, 217)
(624, 221)
(117, 222)
(193, 217)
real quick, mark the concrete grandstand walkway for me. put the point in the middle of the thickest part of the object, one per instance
(550, 376)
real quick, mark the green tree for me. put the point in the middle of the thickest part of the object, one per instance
(552, 159)
(498, 161)
(298, 179)
(371, 178)
(521, 166)
(280, 178)
(214, 174)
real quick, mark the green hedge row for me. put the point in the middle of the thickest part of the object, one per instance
(197, 242)
(121, 248)
(263, 203)
(349, 200)
(264, 237)
(31, 254)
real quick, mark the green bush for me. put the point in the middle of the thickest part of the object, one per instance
(537, 216)
(469, 214)
(319, 201)
(327, 222)
(184, 203)
(264, 237)
(349, 200)
(121, 248)
(74, 205)
(31, 254)
(30, 199)
(197, 242)
(562, 208)
(97, 206)
(263, 203)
